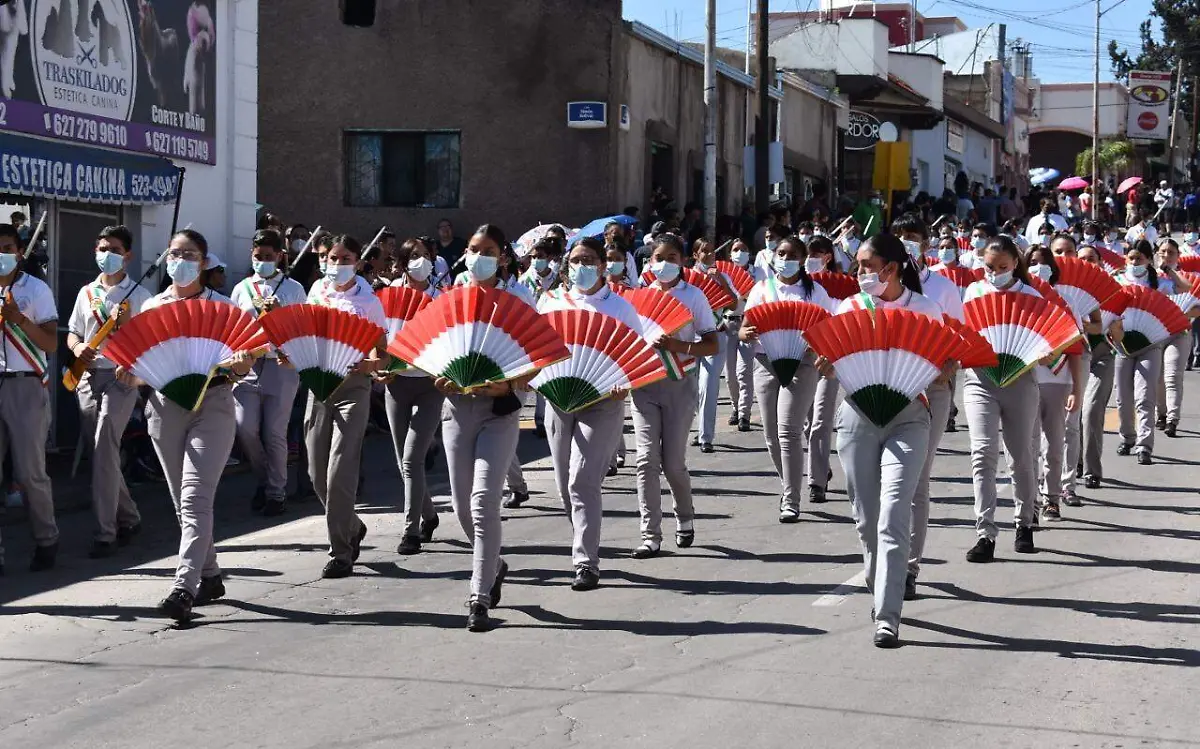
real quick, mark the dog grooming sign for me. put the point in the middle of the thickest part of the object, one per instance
(133, 75)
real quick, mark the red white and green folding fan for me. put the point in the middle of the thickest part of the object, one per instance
(606, 354)
(322, 343)
(1049, 293)
(975, 351)
(1084, 285)
(884, 358)
(1190, 263)
(718, 298)
(741, 278)
(1022, 329)
(1150, 319)
(474, 336)
(962, 277)
(176, 348)
(781, 327)
(1110, 311)
(1187, 298)
(837, 285)
(1114, 262)
(400, 303)
(661, 314)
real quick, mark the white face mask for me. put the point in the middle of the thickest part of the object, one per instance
(786, 268)
(182, 272)
(772, 244)
(1089, 238)
(109, 262)
(665, 272)
(700, 267)
(914, 248)
(741, 257)
(340, 274)
(419, 269)
(814, 265)
(999, 280)
(1137, 271)
(979, 242)
(481, 267)
(870, 284)
(1041, 271)
(947, 255)
(264, 268)
(616, 268)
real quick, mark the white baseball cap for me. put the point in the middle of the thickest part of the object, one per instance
(214, 261)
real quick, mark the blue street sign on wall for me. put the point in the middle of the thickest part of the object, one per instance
(587, 115)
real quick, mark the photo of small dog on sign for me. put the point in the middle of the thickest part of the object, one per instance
(167, 63)
(14, 24)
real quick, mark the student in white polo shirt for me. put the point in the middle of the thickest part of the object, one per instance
(106, 399)
(30, 333)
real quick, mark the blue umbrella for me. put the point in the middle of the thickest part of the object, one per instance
(1042, 175)
(596, 228)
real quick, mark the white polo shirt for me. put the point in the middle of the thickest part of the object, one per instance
(168, 296)
(909, 300)
(605, 302)
(35, 300)
(943, 292)
(703, 320)
(359, 299)
(95, 304)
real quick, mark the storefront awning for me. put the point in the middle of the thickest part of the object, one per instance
(49, 169)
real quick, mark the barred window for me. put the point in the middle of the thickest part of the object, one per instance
(402, 169)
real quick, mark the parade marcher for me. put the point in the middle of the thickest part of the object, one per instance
(764, 260)
(264, 397)
(784, 409)
(192, 446)
(663, 412)
(336, 426)
(581, 442)
(1101, 375)
(1011, 412)
(823, 414)
(1137, 375)
(414, 412)
(517, 489)
(541, 278)
(1176, 350)
(883, 465)
(739, 362)
(106, 402)
(480, 432)
(704, 257)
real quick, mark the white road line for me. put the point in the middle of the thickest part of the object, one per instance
(838, 595)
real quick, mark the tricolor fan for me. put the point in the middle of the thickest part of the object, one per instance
(1189, 297)
(660, 313)
(1110, 312)
(399, 306)
(322, 343)
(1050, 295)
(718, 298)
(1084, 285)
(606, 354)
(837, 285)
(975, 351)
(742, 280)
(1021, 329)
(1190, 263)
(962, 277)
(781, 327)
(176, 348)
(474, 336)
(1150, 319)
(1113, 261)
(884, 358)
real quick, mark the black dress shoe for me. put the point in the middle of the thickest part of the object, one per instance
(982, 552)
(887, 639)
(586, 578)
(910, 588)
(409, 545)
(1144, 459)
(126, 533)
(1170, 431)
(1023, 544)
(1091, 481)
(362, 533)
(612, 470)
(951, 426)
(259, 501)
(102, 549)
(478, 619)
(211, 589)
(733, 419)
(336, 568)
(816, 494)
(44, 558)
(706, 447)
(743, 425)
(1124, 448)
(177, 605)
(684, 539)
(501, 573)
(274, 508)
(427, 529)
(1160, 423)
(516, 499)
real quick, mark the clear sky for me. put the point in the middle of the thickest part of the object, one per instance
(1061, 32)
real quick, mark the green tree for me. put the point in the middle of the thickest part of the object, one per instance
(1115, 157)
(1178, 24)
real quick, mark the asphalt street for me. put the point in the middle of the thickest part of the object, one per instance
(758, 636)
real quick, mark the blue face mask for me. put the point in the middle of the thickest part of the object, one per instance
(183, 272)
(109, 262)
(481, 267)
(584, 277)
(340, 274)
(616, 268)
(540, 264)
(8, 263)
(786, 268)
(665, 272)
(264, 268)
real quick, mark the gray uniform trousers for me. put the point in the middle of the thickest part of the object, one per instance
(1052, 436)
(940, 399)
(783, 410)
(1137, 383)
(264, 406)
(820, 431)
(1170, 383)
(990, 409)
(1073, 450)
(578, 444)
(883, 468)
(192, 447)
(479, 447)
(334, 432)
(1095, 403)
(515, 478)
(709, 387)
(414, 410)
(106, 406)
(739, 373)
(24, 424)
(1196, 339)
(662, 416)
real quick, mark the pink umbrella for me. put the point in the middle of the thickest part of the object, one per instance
(1073, 183)
(1127, 184)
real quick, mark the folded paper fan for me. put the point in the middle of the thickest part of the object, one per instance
(322, 343)
(176, 348)
(1110, 311)
(1113, 261)
(399, 305)
(606, 354)
(837, 285)
(781, 327)
(884, 359)
(1190, 263)
(962, 277)
(1084, 285)
(1150, 319)
(742, 280)
(1050, 295)
(1021, 329)
(660, 313)
(718, 298)
(474, 336)
(975, 351)
(1189, 297)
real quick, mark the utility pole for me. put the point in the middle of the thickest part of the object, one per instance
(749, 113)
(1094, 187)
(710, 124)
(1195, 119)
(762, 127)
(1174, 124)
